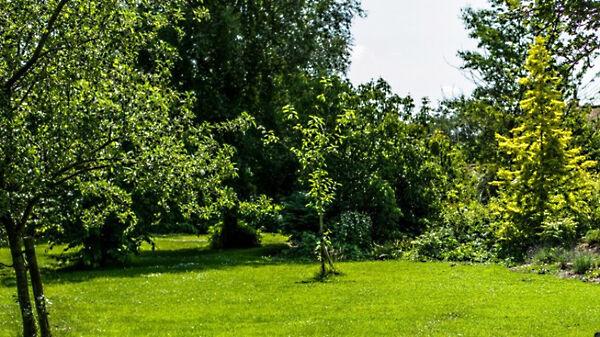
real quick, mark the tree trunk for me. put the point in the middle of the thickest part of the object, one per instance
(323, 252)
(38, 287)
(15, 242)
(325, 257)
(14, 232)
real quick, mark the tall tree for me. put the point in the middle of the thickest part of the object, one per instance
(543, 192)
(242, 58)
(503, 31)
(245, 55)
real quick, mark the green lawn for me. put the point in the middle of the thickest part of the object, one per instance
(183, 289)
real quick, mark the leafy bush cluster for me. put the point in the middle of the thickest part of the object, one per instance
(351, 235)
(593, 238)
(262, 214)
(462, 234)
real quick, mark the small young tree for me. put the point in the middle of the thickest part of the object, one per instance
(543, 193)
(318, 142)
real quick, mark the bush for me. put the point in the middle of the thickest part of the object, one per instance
(583, 263)
(109, 244)
(350, 238)
(296, 217)
(379, 200)
(435, 244)
(240, 236)
(262, 214)
(461, 234)
(559, 231)
(391, 249)
(353, 228)
(351, 235)
(593, 237)
(516, 239)
(305, 245)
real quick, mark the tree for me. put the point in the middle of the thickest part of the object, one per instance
(78, 113)
(503, 32)
(317, 144)
(244, 57)
(178, 179)
(543, 192)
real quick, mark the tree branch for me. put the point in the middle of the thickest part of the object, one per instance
(87, 161)
(79, 172)
(39, 48)
(36, 198)
(27, 212)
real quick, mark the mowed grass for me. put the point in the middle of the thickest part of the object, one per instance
(183, 289)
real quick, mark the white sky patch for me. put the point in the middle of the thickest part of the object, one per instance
(590, 90)
(413, 45)
(451, 91)
(358, 53)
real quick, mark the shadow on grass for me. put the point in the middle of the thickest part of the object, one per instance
(168, 261)
(320, 278)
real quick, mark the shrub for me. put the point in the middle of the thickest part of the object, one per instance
(305, 245)
(111, 243)
(351, 235)
(514, 240)
(391, 249)
(461, 234)
(583, 263)
(240, 236)
(435, 243)
(381, 204)
(560, 230)
(353, 228)
(593, 237)
(262, 213)
(296, 217)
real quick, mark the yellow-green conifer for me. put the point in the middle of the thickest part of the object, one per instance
(542, 194)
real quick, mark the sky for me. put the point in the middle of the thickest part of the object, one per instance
(413, 45)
